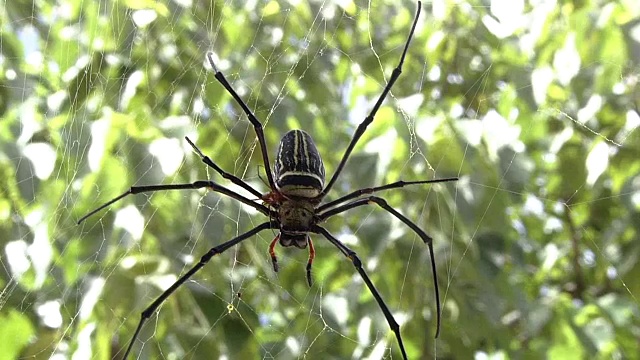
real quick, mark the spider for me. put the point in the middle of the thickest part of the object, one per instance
(294, 203)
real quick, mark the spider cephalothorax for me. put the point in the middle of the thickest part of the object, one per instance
(296, 217)
(294, 202)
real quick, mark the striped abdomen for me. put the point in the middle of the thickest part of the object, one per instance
(298, 168)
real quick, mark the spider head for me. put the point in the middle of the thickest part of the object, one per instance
(298, 169)
(299, 240)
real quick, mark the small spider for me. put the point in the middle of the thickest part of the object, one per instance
(294, 203)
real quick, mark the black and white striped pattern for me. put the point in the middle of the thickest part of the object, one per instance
(298, 168)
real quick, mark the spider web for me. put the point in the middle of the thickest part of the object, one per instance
(534, 244)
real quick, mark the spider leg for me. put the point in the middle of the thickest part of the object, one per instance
(272, 252)
(252, 118)
(195, 185)
(234, 179)
(274, 259)
(426, 238)
(366, 191)
(357, 263)
(369, 119)
(146, 314)
(312, 255)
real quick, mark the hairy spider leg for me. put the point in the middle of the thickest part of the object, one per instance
(357, 263)
(274, 258)
(425, 238)
(272, 252)
(187, 186)
(312, 255)
(257, 126)
(369, 119)
(234, 179)
(216, 250)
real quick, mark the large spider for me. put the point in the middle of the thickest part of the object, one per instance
(294, 203)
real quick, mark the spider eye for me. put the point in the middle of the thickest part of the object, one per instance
(298, 168)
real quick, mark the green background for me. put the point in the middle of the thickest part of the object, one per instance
(536, 110)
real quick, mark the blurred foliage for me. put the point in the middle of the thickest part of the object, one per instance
(534, 106)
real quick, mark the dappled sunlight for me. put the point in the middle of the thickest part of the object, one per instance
(531, 106)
